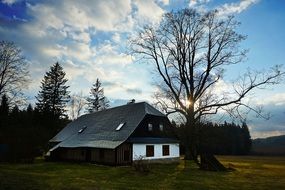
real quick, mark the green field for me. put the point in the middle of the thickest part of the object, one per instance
(251, 173)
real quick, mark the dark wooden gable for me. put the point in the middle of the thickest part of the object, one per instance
(143, 130)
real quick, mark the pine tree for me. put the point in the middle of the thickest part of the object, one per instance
(246, 138)
(15, 111)
(97, 101)
(30, 109)
(53, 96)
(4, 107)
(4, 111)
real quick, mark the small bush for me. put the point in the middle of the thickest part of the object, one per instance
(141, 165)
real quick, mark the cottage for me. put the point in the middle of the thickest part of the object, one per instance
(117, 136)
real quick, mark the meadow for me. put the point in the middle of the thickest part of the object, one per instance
(250, 172)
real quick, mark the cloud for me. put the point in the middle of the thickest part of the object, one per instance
(9, 2)
(272, 127)
(232, 8)
(258, 134)
(164, 2)
(113, 86)
(148, 11)
(277, 99)
(196, 3)
(81, 15)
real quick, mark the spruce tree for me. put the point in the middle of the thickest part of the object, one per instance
(247, 142)
(29, 109)
(53, 96)
(4, 107)
(4, 112)
(97, 101)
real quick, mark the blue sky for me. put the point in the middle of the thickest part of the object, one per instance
(89, 38)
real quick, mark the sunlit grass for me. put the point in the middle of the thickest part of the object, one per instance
(250, 173)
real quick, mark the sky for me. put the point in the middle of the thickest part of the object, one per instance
(90, 40)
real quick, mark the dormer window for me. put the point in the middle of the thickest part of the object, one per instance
(149, 127)
(120, 126)
(161, 127)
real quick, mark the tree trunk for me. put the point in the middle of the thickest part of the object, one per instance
(210, 163)
(192, 149)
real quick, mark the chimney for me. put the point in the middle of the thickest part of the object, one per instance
(132, 101)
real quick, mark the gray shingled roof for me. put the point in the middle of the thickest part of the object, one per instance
(100, 127)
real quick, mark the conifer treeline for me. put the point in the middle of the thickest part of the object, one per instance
(222, 139)
(25, 133)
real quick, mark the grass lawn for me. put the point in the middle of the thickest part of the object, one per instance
(251, 173)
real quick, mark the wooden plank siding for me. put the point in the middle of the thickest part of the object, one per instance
(104, 156)
(76, 154)
(143, 131)
(124, 154)
(96, 155)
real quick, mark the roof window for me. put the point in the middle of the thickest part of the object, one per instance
(120, 126)
(82, 129)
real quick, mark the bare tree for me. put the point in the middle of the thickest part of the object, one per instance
(190, 51)
(13, 71)
(77, 104)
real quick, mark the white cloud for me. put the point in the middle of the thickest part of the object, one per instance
(9, 2)
(195, 3)
(116, 38)
(148, 11)
(262, 134)
(164, 2)
(82, 15)
(231, 8)
(277, 99)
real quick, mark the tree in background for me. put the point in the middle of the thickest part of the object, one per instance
(247, 142)
(190, 51)
(13, 71)
(77, 104)
(4, 106)
(97, 101)
(50, 111)
(53, 96)
(4, 111)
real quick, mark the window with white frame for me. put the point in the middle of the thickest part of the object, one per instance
(161, 127)
(150, 127)
(149, 150)
(165, 150)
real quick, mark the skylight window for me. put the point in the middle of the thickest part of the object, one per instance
(120, 126)
(82, 129)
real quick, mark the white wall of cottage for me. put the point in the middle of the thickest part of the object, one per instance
(139, 150)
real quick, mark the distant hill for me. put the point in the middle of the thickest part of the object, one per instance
(269, 146)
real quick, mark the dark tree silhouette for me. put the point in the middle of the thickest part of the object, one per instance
(4, 107)
(97, 101)
(13, 71)
(190, 51)
(30, 109)
(4, 111)
(50, 111)
(247, 142)
(53, 96)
